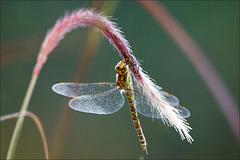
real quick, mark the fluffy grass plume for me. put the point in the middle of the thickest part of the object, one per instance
(88, 17)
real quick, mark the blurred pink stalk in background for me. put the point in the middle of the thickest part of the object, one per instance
(199, 60)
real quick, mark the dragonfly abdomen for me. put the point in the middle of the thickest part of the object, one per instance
(124, 82)
(136, 121)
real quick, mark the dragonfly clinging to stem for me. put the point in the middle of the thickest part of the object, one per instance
(107, 98)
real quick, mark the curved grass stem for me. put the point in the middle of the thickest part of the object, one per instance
(20, 120)
(38, 124)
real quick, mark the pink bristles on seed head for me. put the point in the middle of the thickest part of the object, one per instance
(88, 17)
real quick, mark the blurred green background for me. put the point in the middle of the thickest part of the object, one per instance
(213, 24)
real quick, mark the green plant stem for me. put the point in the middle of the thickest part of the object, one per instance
(20, 120)
(38, 124)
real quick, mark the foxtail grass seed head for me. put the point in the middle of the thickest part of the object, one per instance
(88, 17)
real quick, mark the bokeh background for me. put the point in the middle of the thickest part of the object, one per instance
(213, 24)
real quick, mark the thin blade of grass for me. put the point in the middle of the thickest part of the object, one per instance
(20, 120)
(36, 121)
(199, 60)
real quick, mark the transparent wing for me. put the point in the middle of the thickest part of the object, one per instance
(73, 90)
(170, 98)
(102, 103)
(145, 108)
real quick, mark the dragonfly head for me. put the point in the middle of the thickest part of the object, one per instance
(122, 68)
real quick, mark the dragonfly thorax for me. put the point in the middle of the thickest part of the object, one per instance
(122, 68)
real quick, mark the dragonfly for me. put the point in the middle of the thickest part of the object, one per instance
(107, 98)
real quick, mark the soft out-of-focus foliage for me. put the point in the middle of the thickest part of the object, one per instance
(214, 25)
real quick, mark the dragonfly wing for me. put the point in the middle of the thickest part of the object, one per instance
(73, 90)
(170, 98)
(145, 107)
(184, 112)
(102, 103)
